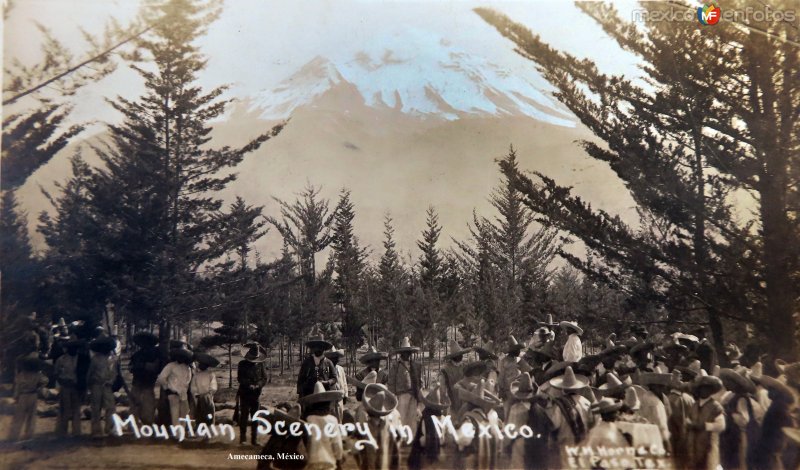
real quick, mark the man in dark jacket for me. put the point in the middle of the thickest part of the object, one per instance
(316, 367)
(252, 376)
(146, 364)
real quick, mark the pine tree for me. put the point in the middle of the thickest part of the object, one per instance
(19, 268)
(391, 289)
(702, 129)
(430, 261)
(427, 295)
(155, 194)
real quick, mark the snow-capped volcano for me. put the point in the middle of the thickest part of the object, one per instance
(428, 81)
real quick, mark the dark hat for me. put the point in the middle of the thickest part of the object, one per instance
(612, 349)
(436, 399)
(145, 338)
(255, 353)
(455, 350)
(378, 400)
(177, 344)
(487, 349)
(475, 368)
(405, 346)
(206, 359)
(776, 386)
(514, 345)
(642, 348)
(103, 344)
(372, 355)
(321, 395)
(736, 382)
(315, 338)
(523, 387)
(555, 369)
(549, 323)
(181, 353)
(334, 353)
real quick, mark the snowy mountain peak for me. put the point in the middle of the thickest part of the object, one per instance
(431, 82)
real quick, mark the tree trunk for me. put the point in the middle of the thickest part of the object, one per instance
(230, 366)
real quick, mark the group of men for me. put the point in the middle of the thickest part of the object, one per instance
(665, 398)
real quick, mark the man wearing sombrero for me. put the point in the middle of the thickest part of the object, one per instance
(743, 416)
(573, 349)
(203, 387)
(100, 377)
(510, 367)
(706, 421)
(341, 380)
(480, 410)
(252, 375)
(452, 371)
(66, 373)
(174, 380)
(325, 452)
(145, 366)
(426, 449)
(405, 379)
(316, 367)
(381, 417)
(372, 362)
(570, 413)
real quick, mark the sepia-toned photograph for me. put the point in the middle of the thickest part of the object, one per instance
(400, 234)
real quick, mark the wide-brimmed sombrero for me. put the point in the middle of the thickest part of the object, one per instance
(513, 345)
(487, 350)
(145, 339)
(606, 405)
(334, 353)
(631, 400)
(654, 378)
(103, 344)
(321, 395)
(707, 381)
(569, 381)
(378, 400)
(480, 396)
(475, 368)
(674, 346)
(455, 350)
(177, 343)
(254, 352)
(372, 355)
(181, 353)
(315, 338)
(571, 325)
(776, 386)
(549, 323)
(614, 385)
(523, 387)
(692, 370)
(612, 349)
(736, 382)
(436, 399)
(685, 339)
(405, 346)
(370, 378)
(642, 348)
(206, 359)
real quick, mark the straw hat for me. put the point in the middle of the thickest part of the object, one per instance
(455, 350)
(707, 380)
(207, 359)
(614, 384)
(334, 353)
(480, 397)
(378, 400)
(514, 345)
(315, 338)
(693, 370)
(523, 387)
(736, 382)
(487, 349)
(606, 405)
(145, 338)
(569, 381)
(405, 346)
(372, 355)
(321, 395)
(549, 323)
(777, 386)
(370, 378)
(685, 339)
(571, 325)
(631, 400)
(436, 399)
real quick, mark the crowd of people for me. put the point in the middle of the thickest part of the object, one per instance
(671, 398)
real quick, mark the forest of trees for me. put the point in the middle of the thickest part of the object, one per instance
(147, 231)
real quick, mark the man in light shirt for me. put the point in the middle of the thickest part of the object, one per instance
(175, 380)
(573, 349)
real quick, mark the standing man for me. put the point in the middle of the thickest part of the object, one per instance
(252, 376)
(573, 349)
(316, 367)
(405, 379)
(174, 381)
(510, 368)
(145, 366)
(452, 372)
(372, 360)
(27, 382)
(341, 381)
(66, 373)
(101, 376)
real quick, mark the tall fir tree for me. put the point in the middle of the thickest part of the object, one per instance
(427, 296)
(392, 286)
